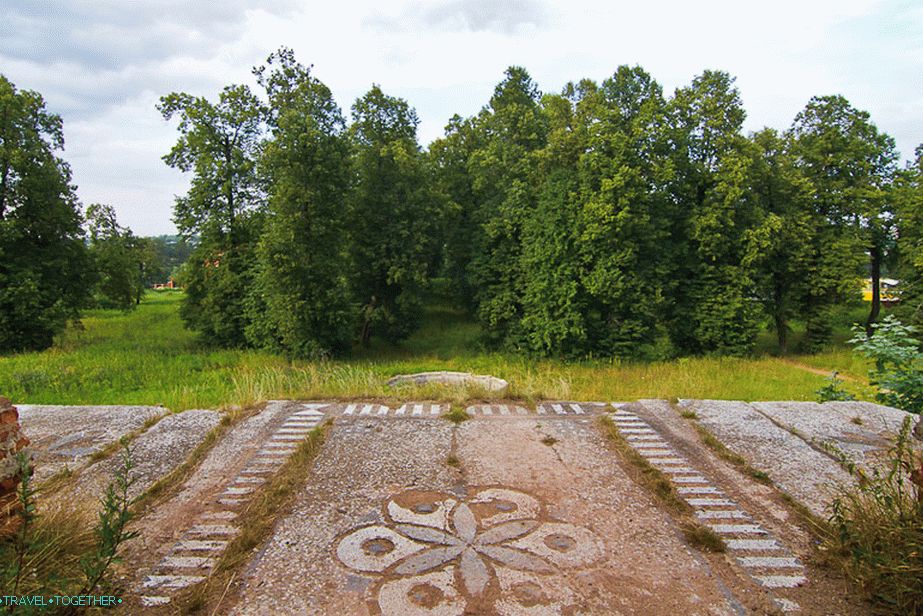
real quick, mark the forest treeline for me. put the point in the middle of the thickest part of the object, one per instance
(598, 221)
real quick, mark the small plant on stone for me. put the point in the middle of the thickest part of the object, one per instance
(833, 390)
(898, 371)
(111, 527)
(25, 513)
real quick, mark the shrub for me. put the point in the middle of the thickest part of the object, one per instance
(898, 371)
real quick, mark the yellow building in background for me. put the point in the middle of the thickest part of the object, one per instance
(889, 292)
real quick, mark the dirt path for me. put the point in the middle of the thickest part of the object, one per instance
(825, 373)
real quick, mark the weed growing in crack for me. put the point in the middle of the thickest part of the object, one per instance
(456, 415)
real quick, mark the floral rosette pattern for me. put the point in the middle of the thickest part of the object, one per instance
(438, 554)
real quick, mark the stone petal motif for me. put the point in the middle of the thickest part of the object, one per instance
(474, 573)
(436, 551)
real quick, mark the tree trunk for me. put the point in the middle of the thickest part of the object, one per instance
(876, 291)
(781, 333)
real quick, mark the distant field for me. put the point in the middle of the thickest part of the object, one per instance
(148, 357)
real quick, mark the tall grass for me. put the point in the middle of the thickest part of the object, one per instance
(877, 531)
(148, 357)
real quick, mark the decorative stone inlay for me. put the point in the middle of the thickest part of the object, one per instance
(437, 553)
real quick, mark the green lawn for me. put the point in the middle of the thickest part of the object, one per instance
(147, 357)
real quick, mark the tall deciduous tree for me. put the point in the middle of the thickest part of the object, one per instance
(851, 165)
(302, 304)
(910, 242)
(594, 247)
(450, 157)
(712, 303)
(624, 226)
(393, 216)
(119, 259)
(44, 266)
(503, 178)
(789, 228)
(219, 144)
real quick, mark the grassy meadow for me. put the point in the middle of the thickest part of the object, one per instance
(148, 357)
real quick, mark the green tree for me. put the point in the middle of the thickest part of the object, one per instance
(393, 217)
(711, 307)
(851, 165)
(119, 258)
(44, 266)
(505, 187)
(792, 233)
(449, 158)
(594, 245)
(303, 304)
(910, 242)
(624, 224)
(219, 144)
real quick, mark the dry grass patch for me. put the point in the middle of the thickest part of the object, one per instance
(876, 531)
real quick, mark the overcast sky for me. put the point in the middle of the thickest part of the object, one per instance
(103, 64)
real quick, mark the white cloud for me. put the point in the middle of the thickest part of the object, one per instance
(103, 64)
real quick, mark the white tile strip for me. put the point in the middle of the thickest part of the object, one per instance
(698, 490)
(172, 581)
(780, 581)
(769, 562)
(188, 562)
(198, 545)
(203, 536)
(711, 502)
(693, 479)
(737, 529)
(754, 545)
(722, 515)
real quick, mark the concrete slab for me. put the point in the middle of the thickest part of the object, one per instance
(512, 526)
(68, 435)
(861, 430)
(806, 474)
(155, 452)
